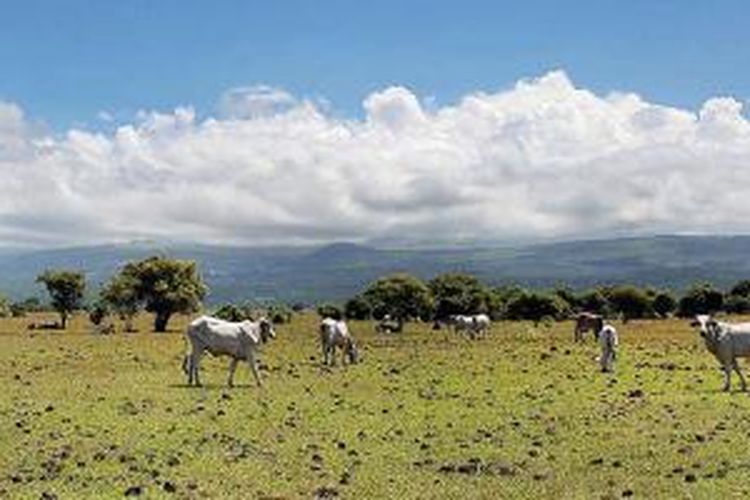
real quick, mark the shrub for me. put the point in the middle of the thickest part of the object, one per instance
(230, 312)
(701, 298)
(357, 308)
(330, 311)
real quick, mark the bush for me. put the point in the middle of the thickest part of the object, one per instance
(279, 314)
(594, 301)
(664, 304)
(457, 293)
(737, 304)
(5, 307)
(629, 301)
(701, 298)
(535, 306)
(401, 296)
(230, 312)
(357, 308)
(98, 311)
(330, 311)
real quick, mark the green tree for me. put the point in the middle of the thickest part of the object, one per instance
(121, 295)
(458, 293)
(230, 312)
(65, 289)
(594, 301)
(401, 296)
(279, 314)
(741, 288)
(629, 301)
(737, 304)
(664, 304)
(357, 308)
(536, 306)
(6, 308)
(701, 298)
(98, 311)
(166, 287)
(330, 311)
(499, 299)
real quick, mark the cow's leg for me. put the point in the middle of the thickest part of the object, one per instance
(727, 374)
(232, 368)
(739, 374)
(253, 362)
(324, 348)
(187, 369)
(195, 362)
(332, 354)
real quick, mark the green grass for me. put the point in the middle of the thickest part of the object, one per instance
(521, 414)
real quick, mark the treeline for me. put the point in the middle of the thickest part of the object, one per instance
(158, 285)
(164, 287)
(405, 297)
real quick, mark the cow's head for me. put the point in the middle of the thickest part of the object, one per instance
(352, 352)
(266, 330)
(709, 327)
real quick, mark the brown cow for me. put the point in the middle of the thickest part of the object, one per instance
(585, 322)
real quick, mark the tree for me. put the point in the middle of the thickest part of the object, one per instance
(569, 297)
(594, 301)
(737, 304)
(357, 308)
(401, 296)
(457, 293)
(499, 299)
(166, 286)
(98, 311)
(701, 298)
(664, 304)
(230, 312)
(629, 301)
(65, 289)
(279, 314)
(6, 309)
(536, 306)
(741, 288)
(121, 295)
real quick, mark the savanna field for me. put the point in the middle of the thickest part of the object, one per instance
(522, 413)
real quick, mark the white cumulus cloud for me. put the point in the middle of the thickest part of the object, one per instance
(543, 159)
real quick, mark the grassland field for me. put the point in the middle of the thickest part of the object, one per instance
(522, 413)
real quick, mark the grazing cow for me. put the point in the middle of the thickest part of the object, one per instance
(608, 342)
(727, 342)
(475, 325)
(389, 325)
(333, 334)
(586, 321)
(240, 341)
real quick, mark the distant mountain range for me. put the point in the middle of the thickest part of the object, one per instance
(337, 271)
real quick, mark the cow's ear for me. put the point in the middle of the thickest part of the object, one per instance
(695, 323)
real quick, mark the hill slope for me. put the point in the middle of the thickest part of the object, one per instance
(337, 271)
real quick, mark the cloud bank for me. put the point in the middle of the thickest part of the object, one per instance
(543, 159)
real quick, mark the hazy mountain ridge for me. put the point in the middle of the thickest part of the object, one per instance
(337, 271)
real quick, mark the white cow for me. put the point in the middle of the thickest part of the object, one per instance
(333, 334)
(240, 341)
(474, 325)
(608, 341)
(727, 342)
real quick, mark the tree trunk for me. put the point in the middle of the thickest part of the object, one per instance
(63, 320)
(161, 320)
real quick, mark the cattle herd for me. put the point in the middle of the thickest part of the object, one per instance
(241, 341)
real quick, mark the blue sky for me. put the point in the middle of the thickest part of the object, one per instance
(64, 61)
(388, 122)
